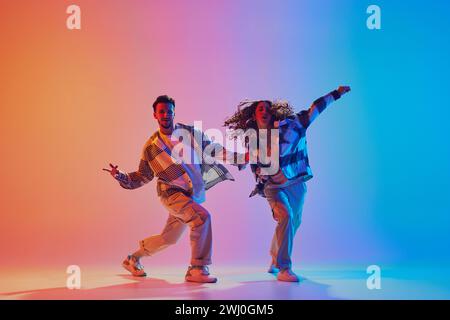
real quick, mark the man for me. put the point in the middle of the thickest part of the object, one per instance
(181, 185)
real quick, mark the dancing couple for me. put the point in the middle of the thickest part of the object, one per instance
(183, 178)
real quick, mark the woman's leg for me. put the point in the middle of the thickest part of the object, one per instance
(286, 204)
(284, 231)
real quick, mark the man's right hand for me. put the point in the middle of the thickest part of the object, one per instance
(113, 170)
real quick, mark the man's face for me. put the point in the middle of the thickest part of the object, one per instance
(263, 115)
(164, 114)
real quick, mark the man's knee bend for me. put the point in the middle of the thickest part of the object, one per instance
(199, 219)
(171, 240)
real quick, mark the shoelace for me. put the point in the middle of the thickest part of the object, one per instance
(205, 269)
(137, 264)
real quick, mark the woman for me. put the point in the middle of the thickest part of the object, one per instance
(285, 190)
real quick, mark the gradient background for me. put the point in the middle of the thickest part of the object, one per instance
(74, 100)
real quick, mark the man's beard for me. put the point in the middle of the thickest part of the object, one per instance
(168, 126)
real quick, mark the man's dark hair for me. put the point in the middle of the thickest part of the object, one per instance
(163, 99)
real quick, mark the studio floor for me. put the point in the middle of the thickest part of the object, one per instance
(241, 283)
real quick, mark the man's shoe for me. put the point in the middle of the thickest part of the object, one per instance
(287, 275)
(133, 265)
(199, 274)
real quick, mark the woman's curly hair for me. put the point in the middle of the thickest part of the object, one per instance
(243, 117)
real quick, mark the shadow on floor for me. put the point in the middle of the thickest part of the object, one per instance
(153, 288)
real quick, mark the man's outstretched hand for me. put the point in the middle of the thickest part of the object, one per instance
(343, 90)
(113, 170)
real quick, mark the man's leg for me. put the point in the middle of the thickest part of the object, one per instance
(198, 219)
(151, 245)
(172, 231)
(201, 237)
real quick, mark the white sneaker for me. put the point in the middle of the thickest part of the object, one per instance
(199, 274)
(133, 265)
(287, 275)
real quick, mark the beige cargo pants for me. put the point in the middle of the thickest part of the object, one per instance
(183, 212)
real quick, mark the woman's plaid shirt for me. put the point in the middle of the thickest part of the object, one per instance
(293, 161)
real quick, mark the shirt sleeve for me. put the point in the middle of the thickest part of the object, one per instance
(136, 179)
(306, 117)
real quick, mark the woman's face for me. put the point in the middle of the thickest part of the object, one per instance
(263, 115)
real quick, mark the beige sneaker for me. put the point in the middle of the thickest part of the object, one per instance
(287, 275)
(199, 274)
(133, 265)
